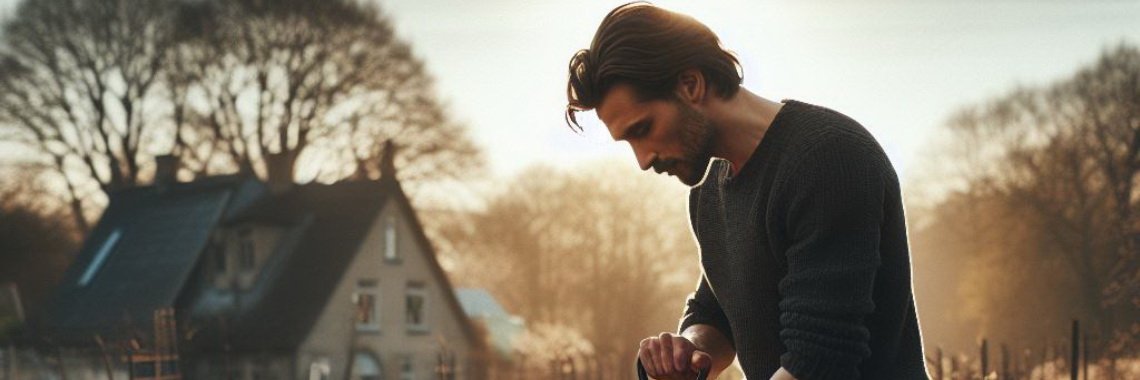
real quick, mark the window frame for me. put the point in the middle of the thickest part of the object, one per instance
(247, 251)
(218, 255)
(369, 288)
(391, 240)
(416, 289)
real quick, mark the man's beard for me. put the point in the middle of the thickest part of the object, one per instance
(697, 140)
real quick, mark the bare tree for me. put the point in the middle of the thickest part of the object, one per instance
(97, 87)
(1056, 167)
(79, 82)
(605, 251)
(261, 84)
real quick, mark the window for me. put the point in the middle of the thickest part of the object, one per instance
(218, 252)
(416, 308)
(366, 299)
(246, 258)
(100, 257)
(365, 366)
(408, 370)
(319, 369)
(390, 253)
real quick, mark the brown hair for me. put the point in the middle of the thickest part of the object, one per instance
(648, 48)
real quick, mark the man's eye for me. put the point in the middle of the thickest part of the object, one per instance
(641, 130)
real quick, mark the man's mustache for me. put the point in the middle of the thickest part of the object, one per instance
(660, 166)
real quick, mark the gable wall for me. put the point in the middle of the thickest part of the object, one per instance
(334, 331)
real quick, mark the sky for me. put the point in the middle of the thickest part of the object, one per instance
(898, 67)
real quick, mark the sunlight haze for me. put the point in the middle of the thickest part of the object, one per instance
(898, 67)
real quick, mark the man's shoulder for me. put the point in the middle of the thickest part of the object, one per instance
(812, 124)
(815, 130)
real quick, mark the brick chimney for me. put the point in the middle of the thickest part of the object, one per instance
(279, 171)
(388, 160)
(165, 169)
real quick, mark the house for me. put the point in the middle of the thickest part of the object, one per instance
(228, 277)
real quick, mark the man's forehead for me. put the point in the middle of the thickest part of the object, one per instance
(619, 109)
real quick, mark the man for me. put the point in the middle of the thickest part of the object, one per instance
(799, 219)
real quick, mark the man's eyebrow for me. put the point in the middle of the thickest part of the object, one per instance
(635, 125)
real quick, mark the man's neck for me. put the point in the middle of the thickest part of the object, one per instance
(741, 122)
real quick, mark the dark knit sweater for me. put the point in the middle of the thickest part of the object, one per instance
(804, 254)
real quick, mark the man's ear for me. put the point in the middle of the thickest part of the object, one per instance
(691, 87)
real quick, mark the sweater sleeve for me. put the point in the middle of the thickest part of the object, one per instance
(702, 308)
(833, 207)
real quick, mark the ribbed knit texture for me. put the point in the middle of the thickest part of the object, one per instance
(804, 254)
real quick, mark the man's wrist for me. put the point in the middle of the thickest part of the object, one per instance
(710, 340)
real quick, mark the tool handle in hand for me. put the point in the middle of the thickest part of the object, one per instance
(703, 374)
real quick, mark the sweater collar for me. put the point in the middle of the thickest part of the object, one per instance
(768, 146)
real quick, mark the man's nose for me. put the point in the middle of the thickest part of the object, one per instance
(644, 158)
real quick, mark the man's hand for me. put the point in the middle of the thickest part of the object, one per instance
(672, 357)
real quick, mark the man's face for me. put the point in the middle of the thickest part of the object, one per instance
(666, 135)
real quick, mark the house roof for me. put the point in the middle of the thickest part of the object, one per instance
(327, 225)
(479, 303)
(501, 327)
(139, 256)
